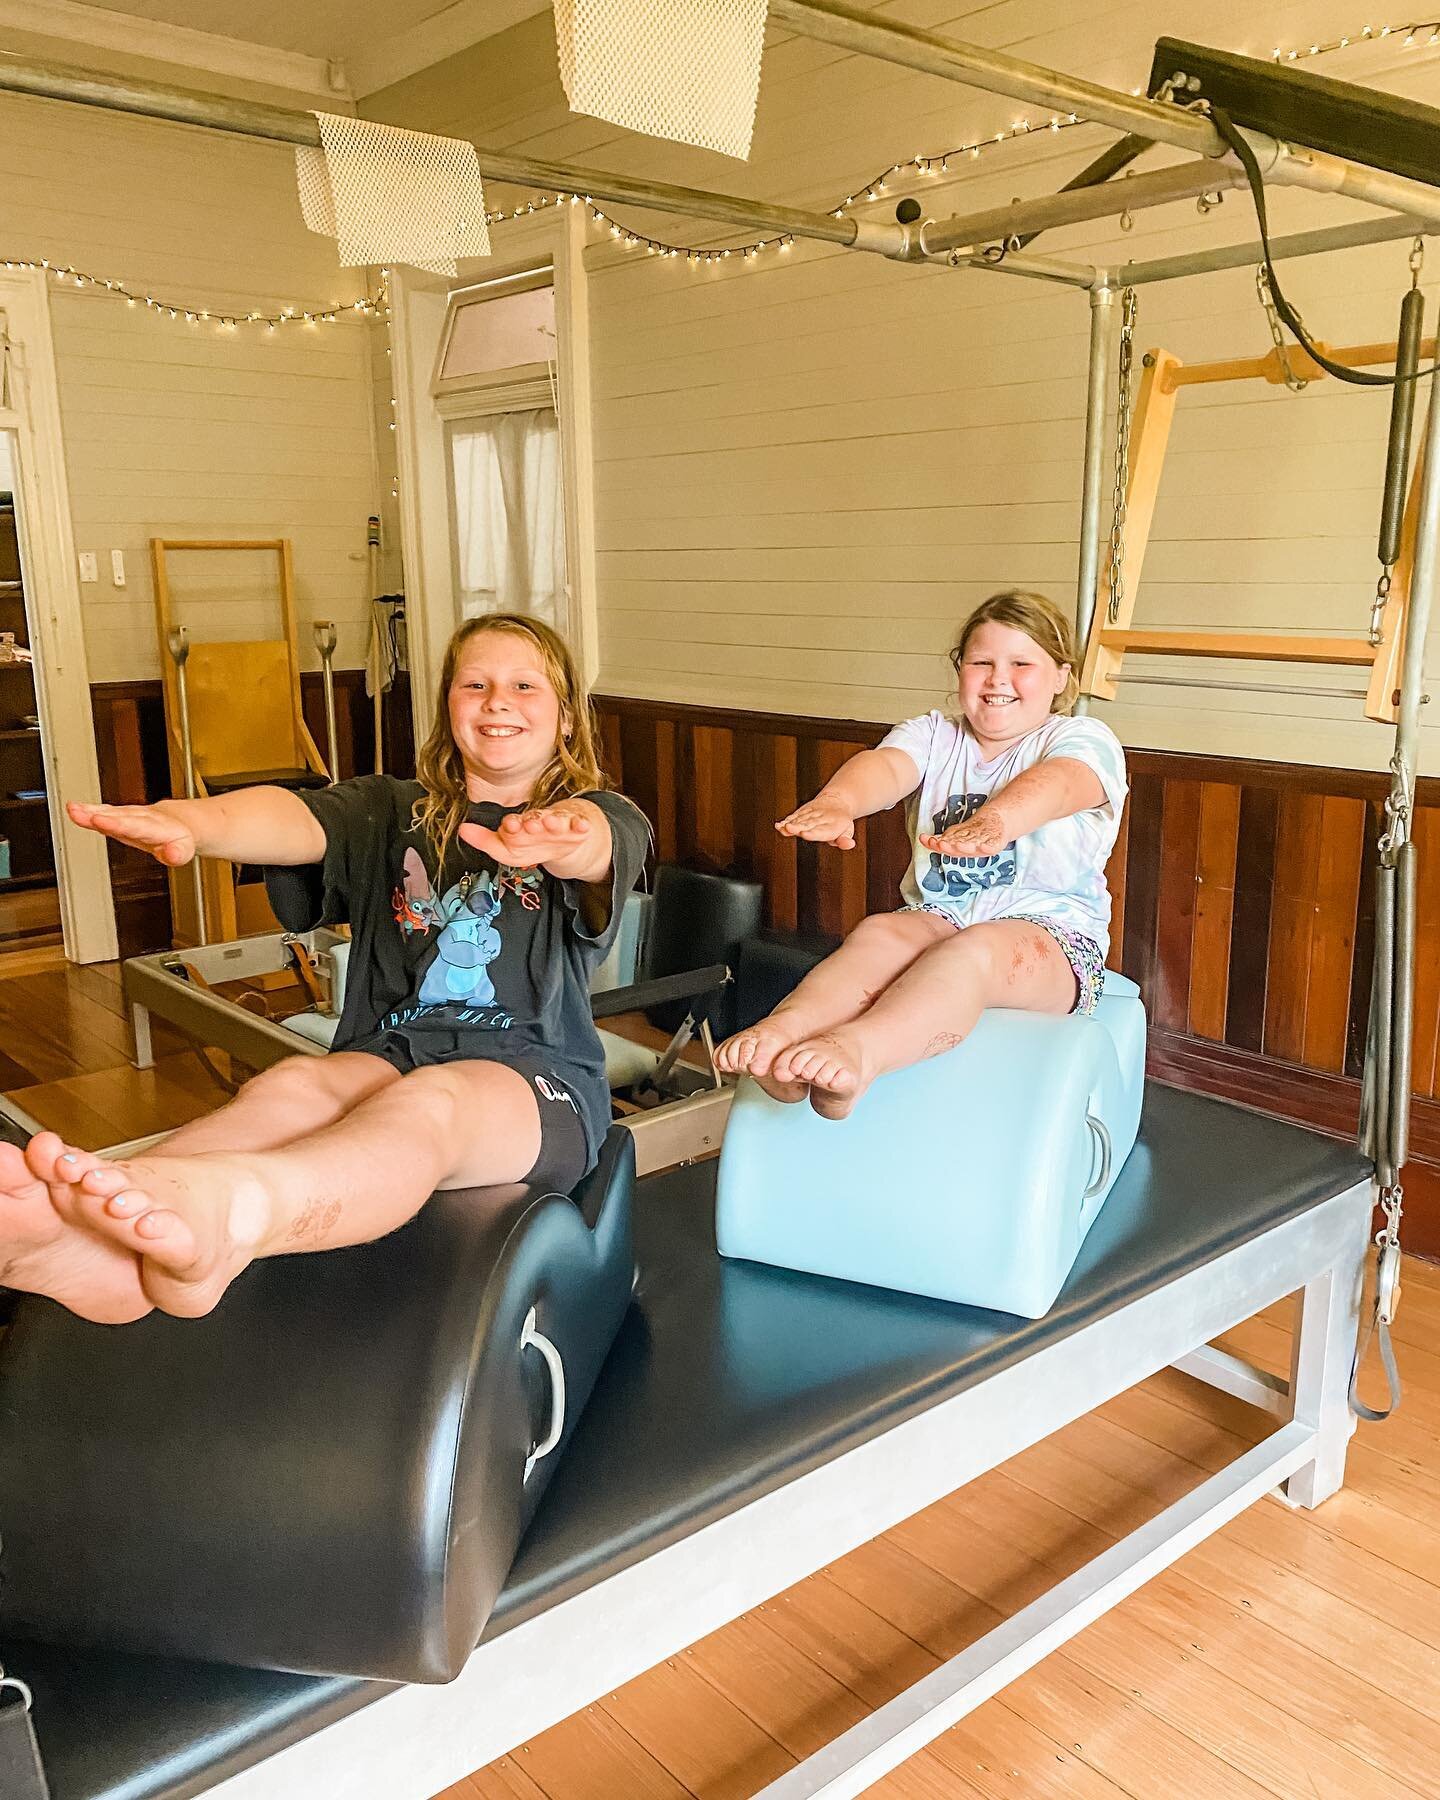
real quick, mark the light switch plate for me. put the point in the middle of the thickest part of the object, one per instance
(89, 566)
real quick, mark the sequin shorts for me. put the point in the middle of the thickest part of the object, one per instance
(1083, 954)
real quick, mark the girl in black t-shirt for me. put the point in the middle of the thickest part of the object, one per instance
(480, 897)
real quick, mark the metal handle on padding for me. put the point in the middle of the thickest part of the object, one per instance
(531, 1338)
(17, 1686)
(1100, 1131)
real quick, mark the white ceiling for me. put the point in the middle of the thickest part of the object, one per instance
(283, 42)
(335, 30)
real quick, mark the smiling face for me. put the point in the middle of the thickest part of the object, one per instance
(505, 716)
(1007, 685)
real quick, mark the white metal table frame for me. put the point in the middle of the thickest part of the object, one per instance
(414, 1741)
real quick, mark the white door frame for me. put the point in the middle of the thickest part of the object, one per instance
(418, 306)
(30, 407)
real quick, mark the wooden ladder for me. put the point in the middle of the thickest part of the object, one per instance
(1109, 640)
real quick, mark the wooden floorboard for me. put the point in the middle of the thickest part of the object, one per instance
(1290, 1654)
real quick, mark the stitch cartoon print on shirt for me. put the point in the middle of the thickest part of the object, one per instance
(469, 940)
(412, 901)
(954, 876)
(523, 883)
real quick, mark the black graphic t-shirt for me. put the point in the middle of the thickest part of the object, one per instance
(474, 960)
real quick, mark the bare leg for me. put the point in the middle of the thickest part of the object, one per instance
(288, 1100)
(50, 1252)
(836, 991)
(197, 1221)
(932, 1007)
(41, 1253)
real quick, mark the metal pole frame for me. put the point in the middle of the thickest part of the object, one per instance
(851, 28)
(1102, 321)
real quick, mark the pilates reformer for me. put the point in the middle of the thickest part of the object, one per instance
(752, 1424)
(675, 1110)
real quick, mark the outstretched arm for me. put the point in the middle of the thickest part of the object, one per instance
(867, 784)
(1053, 789)
(252, 825)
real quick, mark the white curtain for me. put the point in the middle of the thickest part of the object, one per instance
(509, 515)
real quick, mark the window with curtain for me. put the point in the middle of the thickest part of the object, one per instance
(509, 515)
(495, 385)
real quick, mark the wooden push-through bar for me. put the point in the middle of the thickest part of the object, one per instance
(1109, 640)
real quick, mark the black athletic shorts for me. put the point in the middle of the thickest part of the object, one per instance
(564, 1158)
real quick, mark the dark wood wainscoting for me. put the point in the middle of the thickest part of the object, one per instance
(1244, 899)
(134, 768)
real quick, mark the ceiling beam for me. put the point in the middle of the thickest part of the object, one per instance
(98, 28)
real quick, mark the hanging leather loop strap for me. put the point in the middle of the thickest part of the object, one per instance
(21, 1775)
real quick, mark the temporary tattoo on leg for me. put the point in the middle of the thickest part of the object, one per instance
(314, 1221)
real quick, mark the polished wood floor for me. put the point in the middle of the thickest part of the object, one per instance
(29, 917)
(1293, 1654)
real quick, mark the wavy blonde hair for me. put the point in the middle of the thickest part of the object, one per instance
(574, 768)
(1038, 618)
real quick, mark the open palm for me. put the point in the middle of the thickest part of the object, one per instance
(148, 828)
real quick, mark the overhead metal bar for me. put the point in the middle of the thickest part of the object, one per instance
(1185, 181)
(1292, 165)
(1243, 256)
(872, 34)
(1037, 268)
(185, 106)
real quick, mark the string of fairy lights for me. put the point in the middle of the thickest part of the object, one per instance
(924, 165)
(369, 306)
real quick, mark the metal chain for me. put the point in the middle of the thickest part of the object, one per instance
(1387, 1242)
(1262, 289)
(1399, 809)
(1379, 603)
(1115, 575)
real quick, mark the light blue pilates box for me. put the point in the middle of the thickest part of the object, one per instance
(972, 1177)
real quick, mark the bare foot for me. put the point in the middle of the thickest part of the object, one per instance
(194, 1221)
(832, 1068)
(43, 1253)
(753, 1051)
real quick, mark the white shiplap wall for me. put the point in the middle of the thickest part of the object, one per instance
(809, 469)
(193, 431)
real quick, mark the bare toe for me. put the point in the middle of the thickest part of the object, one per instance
(61, 1167)
(132, 1218)
(43, 1252)
(733, 1056)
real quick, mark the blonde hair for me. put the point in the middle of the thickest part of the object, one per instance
(574, 768)
(1041, 620)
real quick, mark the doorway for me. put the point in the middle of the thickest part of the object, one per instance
(29, 889)
(50, 598)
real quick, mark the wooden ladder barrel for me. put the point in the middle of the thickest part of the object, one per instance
(247, 728)
(1110, 639)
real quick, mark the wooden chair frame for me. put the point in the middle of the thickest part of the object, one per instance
(1164, 376)
(217, 877)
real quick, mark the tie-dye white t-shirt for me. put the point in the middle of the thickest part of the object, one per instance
(1054, 872)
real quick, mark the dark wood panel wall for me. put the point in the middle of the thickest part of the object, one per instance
(1244, 891)
(1244, 899)
(134, 768)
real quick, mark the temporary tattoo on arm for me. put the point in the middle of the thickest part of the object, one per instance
(942, 1041)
